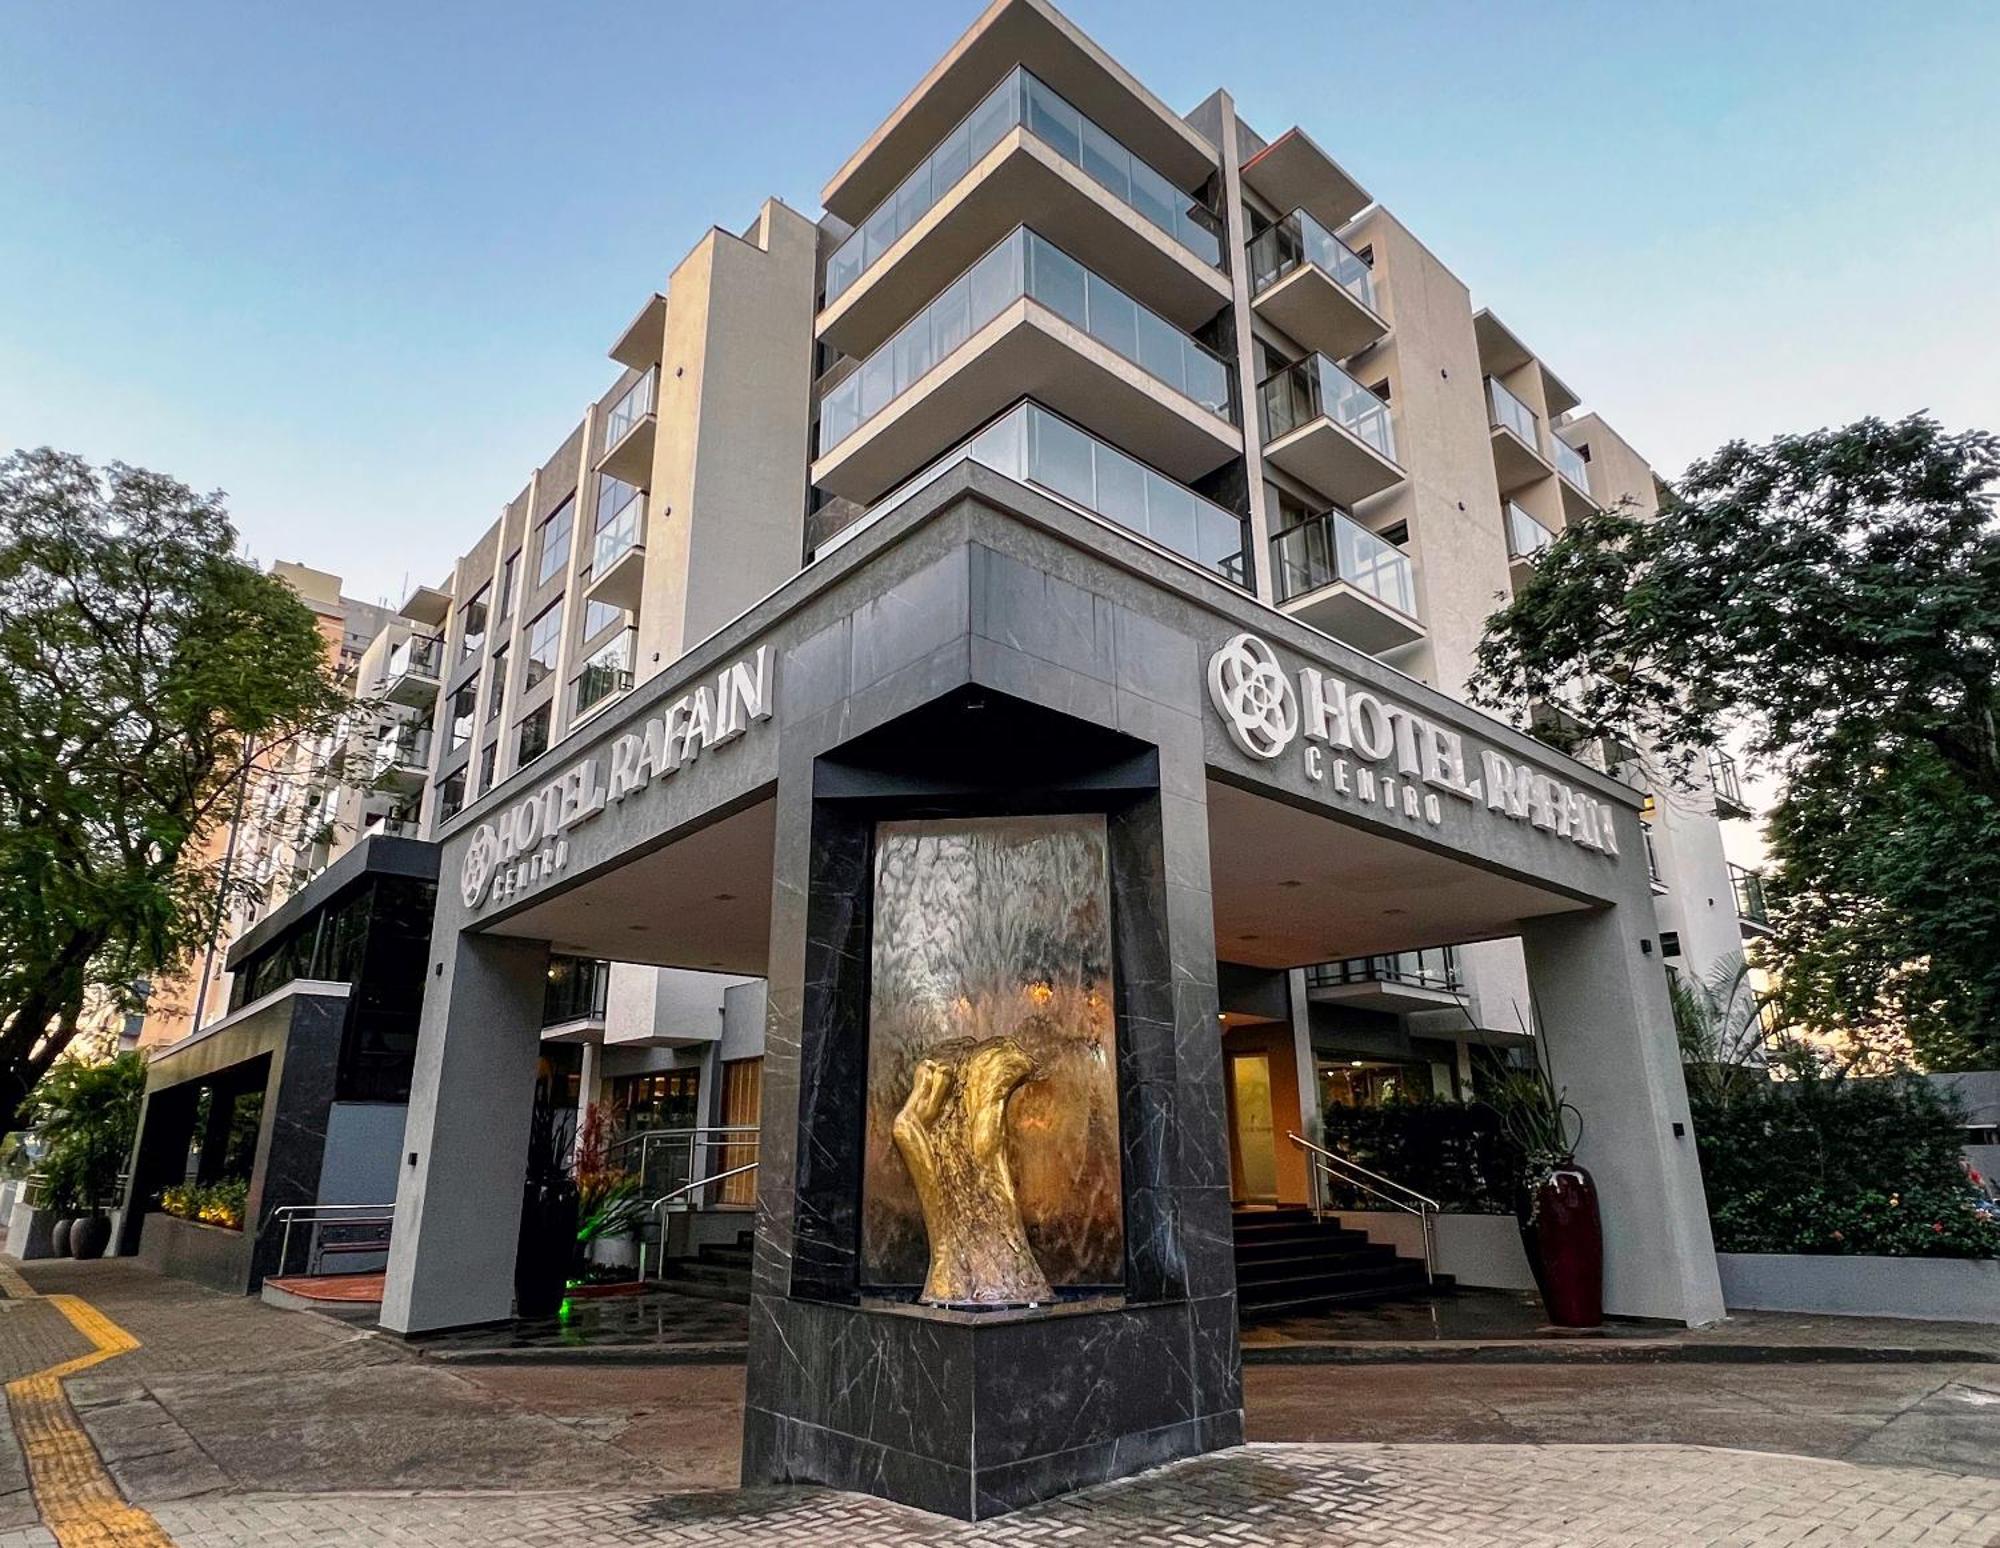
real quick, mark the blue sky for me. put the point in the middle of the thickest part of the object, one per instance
(357, 263)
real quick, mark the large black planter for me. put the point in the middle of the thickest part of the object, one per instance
(547, 1249)
(59, 1238)
(89, 1236)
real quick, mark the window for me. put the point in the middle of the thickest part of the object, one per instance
(1670, 943)
(599, 616)
(483, 780)
(451, 796)
(554, 549)
(464, 712)
(507, 574)
(496, 694)
(534, 738)
(543, 635)
(472, 618)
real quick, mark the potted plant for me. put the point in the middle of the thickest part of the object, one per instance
(547, 1245)
(609, 1208)
(87, 1113)
(1556, 1200)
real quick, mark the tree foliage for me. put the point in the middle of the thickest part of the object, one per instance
(1834, 600)
(142, 666)
(87, 1113)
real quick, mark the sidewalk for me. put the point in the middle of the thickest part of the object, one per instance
(234, 1423)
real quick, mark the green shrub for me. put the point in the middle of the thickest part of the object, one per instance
(1825, 1164)
(218, 1204)
(1458, 1153)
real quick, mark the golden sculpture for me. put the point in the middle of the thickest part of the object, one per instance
(952, 1133)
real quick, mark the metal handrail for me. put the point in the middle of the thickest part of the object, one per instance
(319, 1215)
(658, 1207)
(1341, 1169)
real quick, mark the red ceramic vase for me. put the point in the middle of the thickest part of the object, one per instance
(1569, 1244)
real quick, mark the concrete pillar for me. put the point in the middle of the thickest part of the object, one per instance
(458, 1203)
(1601, 1004)
(587, 1084)
(1312, 1122)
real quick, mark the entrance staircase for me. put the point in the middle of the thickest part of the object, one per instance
(717, 1272)
(1287, 1262)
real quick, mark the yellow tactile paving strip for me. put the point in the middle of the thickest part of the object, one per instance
(78, 1501)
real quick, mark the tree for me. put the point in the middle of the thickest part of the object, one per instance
(143, 667)
(87, 1114)
(1834, 600)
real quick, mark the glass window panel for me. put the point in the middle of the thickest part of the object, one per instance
(1055, 121)
(912, 351)
(999, 444)
(1121, 489)
(1154, 197)
(1162, 350)
(996, 280)
(913, 198)
(951, 161)
(840, 413)
(1114, 317)
(1062, 459)
(1219, 541)
(1207, 380)
(1057, 281)
(878, 382)
(879, 231)
(1107, 161)
(844, 267)
(994, 117)
(1170, 514)
(951, 317)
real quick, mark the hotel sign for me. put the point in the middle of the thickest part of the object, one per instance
(529, 841)
(1371, 751)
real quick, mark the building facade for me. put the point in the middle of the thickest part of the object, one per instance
(1096, 503)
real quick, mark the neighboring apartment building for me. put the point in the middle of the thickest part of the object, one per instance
(285, 824)
(1220, 341)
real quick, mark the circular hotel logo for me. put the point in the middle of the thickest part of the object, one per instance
(1253, 697)
(482, 856)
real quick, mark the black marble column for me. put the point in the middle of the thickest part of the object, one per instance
(972, 1414)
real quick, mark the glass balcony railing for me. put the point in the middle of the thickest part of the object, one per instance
(1510, 413)
(1024, 264)
(394, 824)
(1333, 546)
(419, 655)
(409, 748)
(1023, 101)
(1526, 536)
(1433, 968)
(1728, 782)
(1316, 388)
(578, 990)
(1570, 463)
(1297, 239)
(630, 409)
(1749, 888)
(608, 672)
(621, 534)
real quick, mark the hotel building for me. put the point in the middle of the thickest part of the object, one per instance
(1091, 483)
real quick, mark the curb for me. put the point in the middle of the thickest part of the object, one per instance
(596, 1354)
(1614, 1352)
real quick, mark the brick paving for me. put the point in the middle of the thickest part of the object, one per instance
(1277, 1496)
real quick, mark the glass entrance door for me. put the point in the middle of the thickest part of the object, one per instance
(1255, 1133)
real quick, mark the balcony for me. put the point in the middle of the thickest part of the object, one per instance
(416, 668)
(629, 429)
(393, 824)
(1728, 786)
(1402, 982)
(1293, 173)
(1333, 573)
(402, 759)
(1035, 447)
(1024, 154)
(1517, 439)
(1654, 874)
(1027, 320)
(607, 673)
(1751, 910)
(1324, 427)
(618, 555)
(1574, 474)
(1312, 286)
(1526, 538)
(575, 1000)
